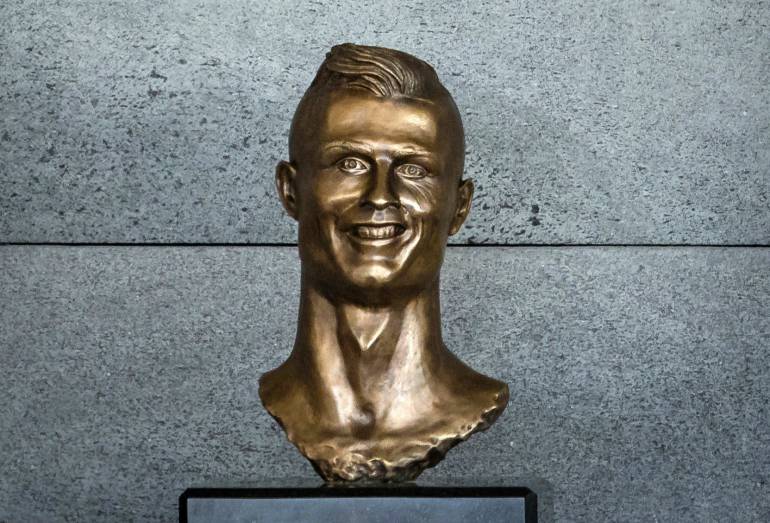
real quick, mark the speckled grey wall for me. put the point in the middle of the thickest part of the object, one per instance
(599, 122)
(638, 375)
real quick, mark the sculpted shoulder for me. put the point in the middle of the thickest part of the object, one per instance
(279, 392)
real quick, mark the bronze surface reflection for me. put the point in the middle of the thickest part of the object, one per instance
(374, 180)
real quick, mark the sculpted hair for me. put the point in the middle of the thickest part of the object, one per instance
(382, 72)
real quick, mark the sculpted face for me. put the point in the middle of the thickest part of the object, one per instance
(376, 191)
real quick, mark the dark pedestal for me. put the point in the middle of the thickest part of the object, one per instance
(378, 503)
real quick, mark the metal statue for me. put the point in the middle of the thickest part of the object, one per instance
(374, 180)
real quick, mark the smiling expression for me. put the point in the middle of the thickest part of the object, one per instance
(377, 191)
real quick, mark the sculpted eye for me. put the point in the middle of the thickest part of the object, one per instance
(411, 170)
(352, 166)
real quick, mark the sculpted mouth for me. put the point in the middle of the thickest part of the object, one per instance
(378, 232)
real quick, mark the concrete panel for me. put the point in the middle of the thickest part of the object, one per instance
(595, 122)
(638, 376)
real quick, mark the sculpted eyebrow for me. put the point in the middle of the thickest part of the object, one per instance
(356, 146)
(349, 145)
(413, 151)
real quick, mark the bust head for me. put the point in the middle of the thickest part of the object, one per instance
(375, 174)
(374, 179)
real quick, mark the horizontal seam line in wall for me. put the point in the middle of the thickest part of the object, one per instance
(475, 245)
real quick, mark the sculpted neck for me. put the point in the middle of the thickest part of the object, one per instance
(368, 356)
(413, 323)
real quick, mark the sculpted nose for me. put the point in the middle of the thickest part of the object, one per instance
(381, 191)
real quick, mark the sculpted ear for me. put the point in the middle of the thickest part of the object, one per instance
(464, 197)
(285, 182)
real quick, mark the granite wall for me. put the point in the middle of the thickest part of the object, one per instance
(615, 270)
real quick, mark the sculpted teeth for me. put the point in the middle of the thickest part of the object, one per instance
(378, 232)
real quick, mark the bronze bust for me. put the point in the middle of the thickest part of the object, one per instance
(374, 180)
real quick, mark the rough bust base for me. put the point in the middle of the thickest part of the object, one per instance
(414, 457)
(389, 458)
